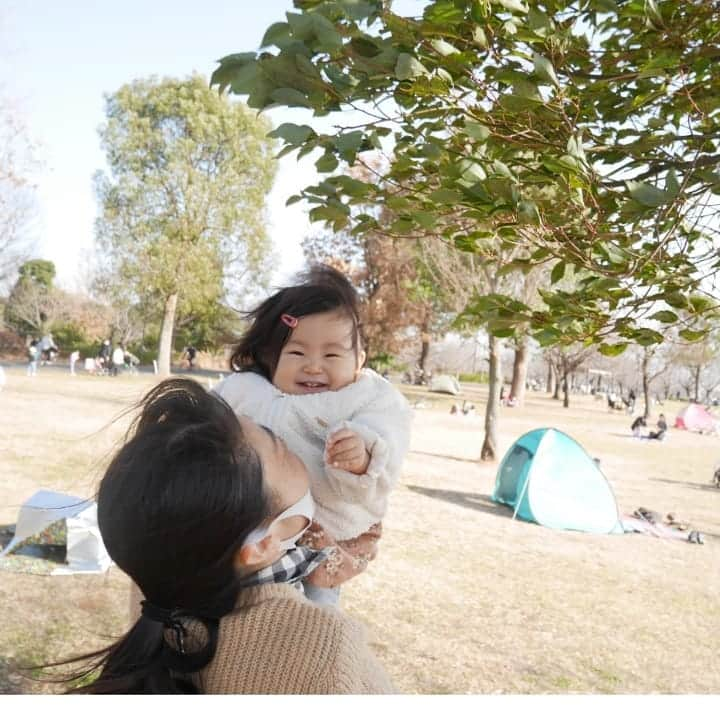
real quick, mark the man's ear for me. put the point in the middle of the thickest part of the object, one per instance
(362, 356)
(255, 556)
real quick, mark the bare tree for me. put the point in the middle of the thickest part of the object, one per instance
(567, 360)
(696, 359)
(655, 361)
(16, 191)
(462, 277)
(384, 271)
(34, 308)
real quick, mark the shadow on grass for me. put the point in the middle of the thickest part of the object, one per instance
(681, 483)
(474, 501)
(445, 457)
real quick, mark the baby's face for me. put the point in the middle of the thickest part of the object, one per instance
(319, 355)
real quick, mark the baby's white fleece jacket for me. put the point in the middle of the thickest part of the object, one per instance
(347, 504)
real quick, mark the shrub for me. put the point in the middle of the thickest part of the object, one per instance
(70, 336)
(479, 377)
(11, 344)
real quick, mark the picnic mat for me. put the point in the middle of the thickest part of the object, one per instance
(36, 555)
(660, 529)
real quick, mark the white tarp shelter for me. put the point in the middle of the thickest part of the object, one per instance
(445, 384)
(86, 552)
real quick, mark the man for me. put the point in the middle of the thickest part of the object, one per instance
(33, 352)
(74, 357)
(104, 355)
(190, 353)
(118, 360)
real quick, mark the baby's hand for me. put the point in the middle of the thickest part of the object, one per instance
(346, 450)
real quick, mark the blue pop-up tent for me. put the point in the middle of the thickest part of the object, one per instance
(549, 479)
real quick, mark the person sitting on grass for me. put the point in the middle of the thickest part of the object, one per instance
(638, 422)
(202, 510)
(661, 429)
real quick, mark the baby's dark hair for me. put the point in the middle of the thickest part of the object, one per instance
(320, 289)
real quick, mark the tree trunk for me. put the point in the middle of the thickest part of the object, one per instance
(556, 392)
(566, 386)
(548, 384)
(646, 385)
(520, 363)
(489, 447)
(166, 335)
(424, 351)
(698, 369)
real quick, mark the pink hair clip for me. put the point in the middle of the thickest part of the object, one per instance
(289, 320)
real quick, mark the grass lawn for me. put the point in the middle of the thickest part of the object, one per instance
(462, 599)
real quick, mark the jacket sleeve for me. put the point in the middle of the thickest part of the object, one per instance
(384, 426)
(244, 391)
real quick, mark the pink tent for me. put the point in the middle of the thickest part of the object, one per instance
(696, 418)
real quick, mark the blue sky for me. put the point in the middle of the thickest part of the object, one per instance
(59, 58)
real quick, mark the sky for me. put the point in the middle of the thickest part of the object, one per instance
(58, 59)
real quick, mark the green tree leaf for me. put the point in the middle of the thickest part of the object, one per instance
(612, 350)
(692, 335)
(545, 70)
(292, 133)
(290, 97)
(409, 67)
(480, 38)
(646, 194)
(665, 316)
(558, 272)
(326, 163)
(277, 34)
(444, 48)
(513, 5)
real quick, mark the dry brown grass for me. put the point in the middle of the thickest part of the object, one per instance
(462, 599)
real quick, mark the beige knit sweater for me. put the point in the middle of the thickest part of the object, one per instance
(277, 642)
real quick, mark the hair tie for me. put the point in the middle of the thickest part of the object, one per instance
(170, 619)
(290, 320)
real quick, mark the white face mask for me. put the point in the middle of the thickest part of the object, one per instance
(304, 507)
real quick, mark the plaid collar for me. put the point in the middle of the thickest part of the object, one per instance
(292, 567)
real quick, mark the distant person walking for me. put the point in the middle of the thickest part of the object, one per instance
(131, 363)
(118, 360)
(47, 349)
(190, 354)
(74, 357)
(104, 356)
(631, 402)
(33, 352)
(638, 422)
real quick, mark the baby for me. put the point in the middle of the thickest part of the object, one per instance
(298, 370)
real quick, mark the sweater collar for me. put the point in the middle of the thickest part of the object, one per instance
(250, 596)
